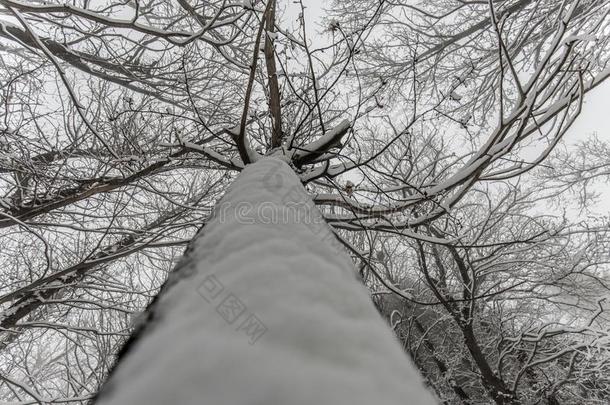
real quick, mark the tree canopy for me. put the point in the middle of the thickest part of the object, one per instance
(431, 135)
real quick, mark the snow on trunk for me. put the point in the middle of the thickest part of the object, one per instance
(264, 308)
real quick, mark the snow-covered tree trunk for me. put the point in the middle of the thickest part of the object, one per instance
(265, 308)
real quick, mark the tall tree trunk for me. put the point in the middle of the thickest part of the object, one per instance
(264, 308)
(495, 386)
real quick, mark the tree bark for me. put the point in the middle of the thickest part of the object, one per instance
(274, 87)
(264, 308)
(494, 385)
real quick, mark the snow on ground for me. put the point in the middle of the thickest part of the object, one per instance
(265, 309)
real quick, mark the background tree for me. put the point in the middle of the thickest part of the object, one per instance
(539, 314)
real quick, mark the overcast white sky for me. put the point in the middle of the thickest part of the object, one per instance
(595, 115)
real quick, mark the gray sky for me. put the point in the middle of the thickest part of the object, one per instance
(595, 118)
(595, 115)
